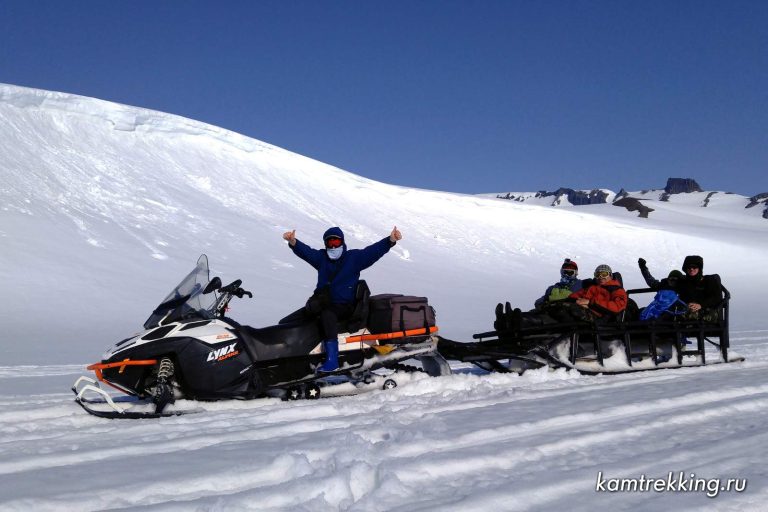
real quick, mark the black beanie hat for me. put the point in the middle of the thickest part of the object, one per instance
(694, 261)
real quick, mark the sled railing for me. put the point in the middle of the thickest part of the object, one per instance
(681, 329)
(633, 333)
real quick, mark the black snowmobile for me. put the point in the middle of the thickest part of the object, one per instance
(616, 345)
(191, 350)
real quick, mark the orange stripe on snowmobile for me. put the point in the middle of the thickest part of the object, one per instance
(389, 335)
(97, 367)
(122, 364)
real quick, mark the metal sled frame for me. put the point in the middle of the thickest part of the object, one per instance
(529, 345)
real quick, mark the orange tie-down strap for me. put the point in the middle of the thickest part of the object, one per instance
(389, 335)
(98, 367)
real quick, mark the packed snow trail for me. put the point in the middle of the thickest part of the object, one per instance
(465, 442)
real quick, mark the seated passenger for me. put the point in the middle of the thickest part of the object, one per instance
(561, 290)
(603, 298)
(606, 297)
(338, 271)
(701, 293)
(668, 283)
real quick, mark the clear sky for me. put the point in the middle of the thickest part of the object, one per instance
(463, 96)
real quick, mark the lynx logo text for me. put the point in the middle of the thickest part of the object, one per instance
(223, 353)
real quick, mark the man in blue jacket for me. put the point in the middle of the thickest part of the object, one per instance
(338, 270)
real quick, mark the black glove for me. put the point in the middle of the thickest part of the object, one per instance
(641, 263)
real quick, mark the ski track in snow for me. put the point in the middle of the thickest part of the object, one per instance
(471, 441)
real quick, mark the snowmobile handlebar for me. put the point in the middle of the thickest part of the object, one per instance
(233, 288)
(240, 292)
(227, 292)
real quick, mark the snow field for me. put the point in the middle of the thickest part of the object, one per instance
(466, 441)
(105, 207)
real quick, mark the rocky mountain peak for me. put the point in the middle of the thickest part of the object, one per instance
(681, 186)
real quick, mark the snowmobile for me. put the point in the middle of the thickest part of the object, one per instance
(191, 350)
(617, 345)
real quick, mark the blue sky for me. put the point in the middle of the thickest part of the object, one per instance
(471, 96)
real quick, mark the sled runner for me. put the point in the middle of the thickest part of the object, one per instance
(191, 350)
(615, 345)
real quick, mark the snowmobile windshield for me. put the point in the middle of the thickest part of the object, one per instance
(187, 299)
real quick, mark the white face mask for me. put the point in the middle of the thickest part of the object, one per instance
(335, 253)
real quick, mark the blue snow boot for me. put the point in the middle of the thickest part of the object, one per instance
(331, 356)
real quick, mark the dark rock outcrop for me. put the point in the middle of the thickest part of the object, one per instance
(621, 195)
(575, 197)
(759, 199)
(682, 186)
(623, 199)
(706, 199)
(633, 204)
(511, 197)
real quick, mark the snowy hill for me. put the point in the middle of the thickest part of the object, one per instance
(104, 207)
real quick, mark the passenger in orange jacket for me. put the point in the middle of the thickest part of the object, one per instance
(605, 297)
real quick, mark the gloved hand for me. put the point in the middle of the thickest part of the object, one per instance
(641, 264)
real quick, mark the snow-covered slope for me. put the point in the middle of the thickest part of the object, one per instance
(104, 207)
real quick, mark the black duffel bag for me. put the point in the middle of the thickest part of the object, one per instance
(390, 312)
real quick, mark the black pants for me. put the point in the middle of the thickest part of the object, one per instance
(330, 316)
(555, 313)
(570, 312)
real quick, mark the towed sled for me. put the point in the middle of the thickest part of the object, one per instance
(617, 345)
(191, 350)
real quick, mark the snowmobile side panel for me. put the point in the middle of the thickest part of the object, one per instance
(281, 341)
(204, 371)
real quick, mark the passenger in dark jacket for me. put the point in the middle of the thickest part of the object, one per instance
(338, 271)
(668, 283)
(701, 293)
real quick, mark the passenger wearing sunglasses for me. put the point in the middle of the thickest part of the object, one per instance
(605, 297)
(701, 293)
(561, 290)
(338, 271)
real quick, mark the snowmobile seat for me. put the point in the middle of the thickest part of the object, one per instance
(355, 322)
(281, 340)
